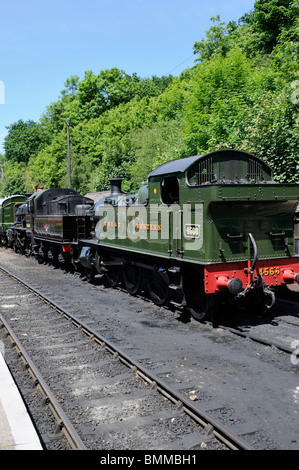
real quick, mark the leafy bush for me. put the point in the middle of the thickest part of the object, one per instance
(242, 93)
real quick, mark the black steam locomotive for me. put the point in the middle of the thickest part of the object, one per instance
(50, 224)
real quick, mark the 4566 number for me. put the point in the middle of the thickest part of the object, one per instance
(269, 271)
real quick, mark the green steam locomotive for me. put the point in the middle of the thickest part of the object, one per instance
(203, 229)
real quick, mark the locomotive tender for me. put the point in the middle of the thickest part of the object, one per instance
(201, 229)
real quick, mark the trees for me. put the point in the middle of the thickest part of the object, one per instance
(242, 93)
(24, 139)
(273, 20)
(270, 23)
(153, 145)
(15, 179)
(217, 40)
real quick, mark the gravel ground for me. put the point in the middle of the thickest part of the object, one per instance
(256, 386)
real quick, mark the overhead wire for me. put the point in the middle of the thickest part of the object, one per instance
(180, 64)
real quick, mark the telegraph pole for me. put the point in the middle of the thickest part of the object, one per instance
(68, 151)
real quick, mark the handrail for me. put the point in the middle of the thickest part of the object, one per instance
(255, 254)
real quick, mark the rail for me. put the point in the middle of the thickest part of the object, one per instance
(63, 423)
(221, 432)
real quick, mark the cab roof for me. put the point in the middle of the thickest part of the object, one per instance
(182, 164)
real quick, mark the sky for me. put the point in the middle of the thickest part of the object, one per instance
(43, 42)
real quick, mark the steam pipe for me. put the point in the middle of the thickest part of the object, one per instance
(254, 245)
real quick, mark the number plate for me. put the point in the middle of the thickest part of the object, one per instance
(269, 271)
(192, 231)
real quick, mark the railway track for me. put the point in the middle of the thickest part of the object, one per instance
(100, 397)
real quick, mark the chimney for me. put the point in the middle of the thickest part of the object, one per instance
(115, 184)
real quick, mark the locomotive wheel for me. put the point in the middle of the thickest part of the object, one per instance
(27, 249)
(54, 254)
(157, 283)
(132, 277)
(89, 273)
(198, 302)
(198, 306)
(113, 276)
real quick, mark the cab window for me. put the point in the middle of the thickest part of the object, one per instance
(170, 190)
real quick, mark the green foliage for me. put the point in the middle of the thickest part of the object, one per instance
(152, 146)
(273, 134)
(15, 179)
(270, 23)
(47, 169)
(232, 103)
(24, 139)
(2, 175)
(242, 93)
(271, 20)
(217, 39)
